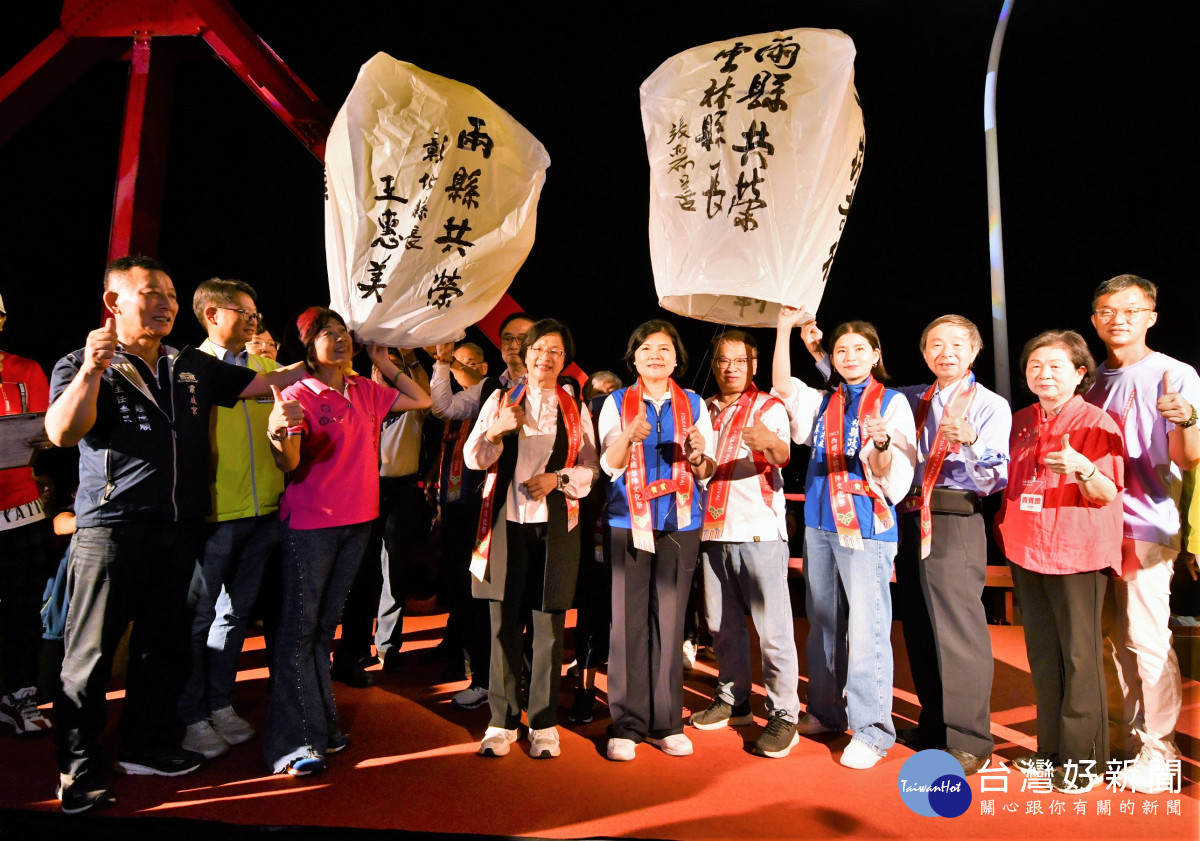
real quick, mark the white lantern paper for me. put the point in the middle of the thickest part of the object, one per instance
(430, 207)
(755, 145)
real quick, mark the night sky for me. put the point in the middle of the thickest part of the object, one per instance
(1097, 110)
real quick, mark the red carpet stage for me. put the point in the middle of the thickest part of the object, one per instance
(412, 766)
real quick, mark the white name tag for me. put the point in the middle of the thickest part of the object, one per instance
(1031, 502)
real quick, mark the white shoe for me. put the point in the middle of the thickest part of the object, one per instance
(621, 750)
(1150, 773)
(810, 725)
(496, 741)
(203, 739)
(543, 744)
(858, 755)
(676, 744)
(231, 726)
(689, 654)
(20, 710)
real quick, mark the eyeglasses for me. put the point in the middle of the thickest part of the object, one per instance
(252, 317)
(262, 343)
(1107, 314)
(552, 352)
(511, 339)
(724, 363)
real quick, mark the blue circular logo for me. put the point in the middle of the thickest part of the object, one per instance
(932, 784)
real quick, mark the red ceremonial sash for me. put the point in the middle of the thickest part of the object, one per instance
(483, 535)
(456, 432)
(958, 406)
(729, 439)
(637, 492)
(843, 489)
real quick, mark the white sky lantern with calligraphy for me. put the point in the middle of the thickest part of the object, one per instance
(430, 206)
(755, 145)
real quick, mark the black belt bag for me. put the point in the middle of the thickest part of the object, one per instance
(953, 501)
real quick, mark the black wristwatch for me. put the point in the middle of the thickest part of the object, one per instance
(886, 443)
(563, 480)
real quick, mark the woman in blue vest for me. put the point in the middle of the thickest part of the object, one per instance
(863, 438)
(656, 442)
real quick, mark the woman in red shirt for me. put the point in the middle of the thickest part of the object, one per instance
(1060, 527)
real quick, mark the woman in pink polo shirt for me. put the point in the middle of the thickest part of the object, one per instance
(325, 434)
(1060, 527)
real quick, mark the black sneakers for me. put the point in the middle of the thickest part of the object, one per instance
(167, 763)
(720, 714)
(80, 795)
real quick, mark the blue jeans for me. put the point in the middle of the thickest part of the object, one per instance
(224, 588)
(319, 566)
(849, 636)
(741, 576)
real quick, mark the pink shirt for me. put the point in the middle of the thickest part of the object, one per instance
(337, 480)
(1070, 533)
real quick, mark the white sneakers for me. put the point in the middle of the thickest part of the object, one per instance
(543, 744)
(689, 655)
(496, 741)
(858, 755)
(20, 711)
(231, 726)
(1150, 773)
(204, 740)
(621, 750)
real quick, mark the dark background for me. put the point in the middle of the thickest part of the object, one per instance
(1097, 109)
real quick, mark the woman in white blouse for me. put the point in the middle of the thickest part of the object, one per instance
(537, 443)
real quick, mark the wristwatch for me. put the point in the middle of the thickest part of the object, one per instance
(563, 480)
(277, 436)
(887, 442)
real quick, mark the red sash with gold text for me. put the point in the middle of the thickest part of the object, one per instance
(958, 406)
(483, 535)
(456, 432)
(843, 489)
(729, 439)
(637, 492)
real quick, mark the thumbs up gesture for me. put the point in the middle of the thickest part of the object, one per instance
(100, 347)
(637, 429)
(876, 430)
(285, 413)
(509, 420)
(757, 437)
(1067, 459)
(1171, 405)
(693, 444)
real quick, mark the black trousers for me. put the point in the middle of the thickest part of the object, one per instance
(468, 625)
(946, 631)
(23, 574)
(401, 513)
(137, 572)
(523, 584)
(645, 659)
(1062, 638)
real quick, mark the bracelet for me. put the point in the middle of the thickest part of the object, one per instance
(1190, 422)
(887, 443)
(1090, 476)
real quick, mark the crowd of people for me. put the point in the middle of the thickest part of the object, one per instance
(213, 479)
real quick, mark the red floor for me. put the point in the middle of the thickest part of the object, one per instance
(412, 765)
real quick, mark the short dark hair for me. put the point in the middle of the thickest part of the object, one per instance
(544, 328)
(860, 328)
(513, 316)
(1122, 282)
(590, 391)
(1073, 344)
(219, 290)
(647, 329)
(133, 261)
(310, 323)
(734, 335)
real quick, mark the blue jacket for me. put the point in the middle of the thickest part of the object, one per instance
(142, 462)
(661, 454)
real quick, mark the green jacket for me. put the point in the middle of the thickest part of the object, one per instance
(243, 478)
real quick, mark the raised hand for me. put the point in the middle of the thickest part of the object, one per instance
(789, 317)
(958, 430)
(876, 429)
(1067, 459)
(100, 347)
(639, 428)
(1171, 405)
(693, 444)
(285, 413)
(811, 335)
